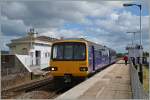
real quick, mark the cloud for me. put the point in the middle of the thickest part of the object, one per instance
(14, 10)
(5, 40)
(53, 14)
(12, 27)
(64, 33)
(104, 22)
(121, 23)
(43, 14)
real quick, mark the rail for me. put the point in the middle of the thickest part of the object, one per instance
(136, 86)
(46, 85)
(35, 84)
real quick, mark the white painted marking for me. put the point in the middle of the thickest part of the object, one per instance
(98, 94)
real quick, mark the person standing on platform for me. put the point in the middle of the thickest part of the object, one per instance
(125, 59)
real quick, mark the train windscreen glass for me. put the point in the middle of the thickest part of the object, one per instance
(69, 51)
(58, 52)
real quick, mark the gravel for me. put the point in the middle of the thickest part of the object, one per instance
(36, 95)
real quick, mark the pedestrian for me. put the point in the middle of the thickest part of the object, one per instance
(125, 59)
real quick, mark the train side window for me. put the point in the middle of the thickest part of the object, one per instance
(100, 53)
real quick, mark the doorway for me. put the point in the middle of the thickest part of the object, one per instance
(38, 57)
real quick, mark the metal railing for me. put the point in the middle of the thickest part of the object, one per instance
(136, 86)
(9, 71)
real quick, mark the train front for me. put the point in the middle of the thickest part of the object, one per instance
(69, 59)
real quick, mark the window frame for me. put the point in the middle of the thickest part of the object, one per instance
(68, 43)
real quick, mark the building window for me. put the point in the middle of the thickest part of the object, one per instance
(47, 54)
(31, 54)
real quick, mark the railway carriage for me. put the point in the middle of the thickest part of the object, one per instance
(78, 58)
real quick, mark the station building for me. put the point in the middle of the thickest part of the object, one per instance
(32, 50)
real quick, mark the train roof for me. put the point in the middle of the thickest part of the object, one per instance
(90, 43)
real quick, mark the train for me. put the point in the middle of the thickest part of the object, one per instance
(78, 58)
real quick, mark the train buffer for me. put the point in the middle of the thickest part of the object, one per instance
(111, 83)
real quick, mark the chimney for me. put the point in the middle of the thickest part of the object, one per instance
(32, 33)
(35, 34)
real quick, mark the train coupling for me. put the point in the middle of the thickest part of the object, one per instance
(67, 78)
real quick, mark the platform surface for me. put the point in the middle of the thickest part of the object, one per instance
(111, 83)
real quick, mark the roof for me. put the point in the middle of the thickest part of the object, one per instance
(84, 40)
(28, 39)
(80, 40)
(41, 38)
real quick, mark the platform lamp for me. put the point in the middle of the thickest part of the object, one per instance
(141, 54)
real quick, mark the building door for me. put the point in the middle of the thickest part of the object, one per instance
(38, 57)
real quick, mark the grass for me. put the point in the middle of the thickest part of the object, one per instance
(146, 78)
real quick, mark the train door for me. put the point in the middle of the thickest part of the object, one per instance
(109, 56)
(93, 58)
(100, 56)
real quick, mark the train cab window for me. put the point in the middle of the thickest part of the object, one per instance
(79, 52)
(68, 52)
(58, 52)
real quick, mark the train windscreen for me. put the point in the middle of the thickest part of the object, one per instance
(69, 51)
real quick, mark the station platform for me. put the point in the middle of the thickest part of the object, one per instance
(110, 83)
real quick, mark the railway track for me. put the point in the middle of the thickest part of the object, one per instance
(41, 89)
(27, 87)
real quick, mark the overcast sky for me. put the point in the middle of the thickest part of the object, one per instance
(103, 22)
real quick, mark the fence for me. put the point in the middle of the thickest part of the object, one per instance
(9, 71)
(137, 88)
(11, 80)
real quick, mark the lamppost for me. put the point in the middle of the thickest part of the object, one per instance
(140, 47)
(140, 6)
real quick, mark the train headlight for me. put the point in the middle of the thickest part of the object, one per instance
(53, 68)
(83, 69)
